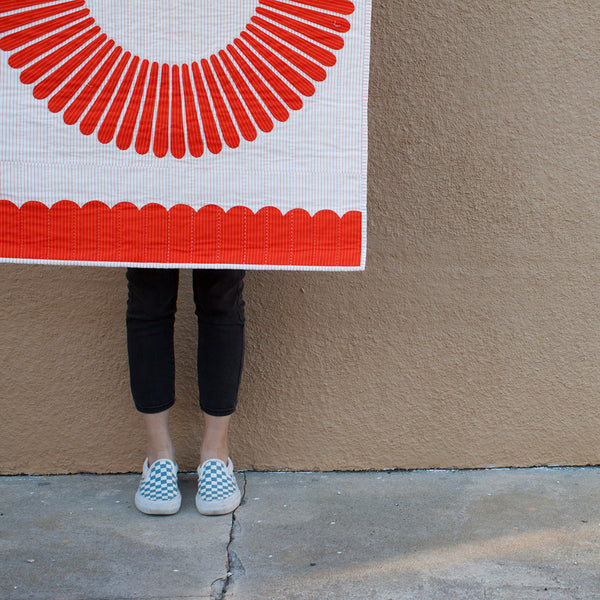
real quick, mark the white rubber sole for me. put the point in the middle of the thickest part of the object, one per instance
(157, 507)
(219, 507)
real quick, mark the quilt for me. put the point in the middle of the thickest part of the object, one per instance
(184, 133)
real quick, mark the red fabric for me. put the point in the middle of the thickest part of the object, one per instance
(153, 234)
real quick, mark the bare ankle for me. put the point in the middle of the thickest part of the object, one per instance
(208, 453)
(155, 454)
(159, 442)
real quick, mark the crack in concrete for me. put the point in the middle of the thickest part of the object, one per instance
(220, 587)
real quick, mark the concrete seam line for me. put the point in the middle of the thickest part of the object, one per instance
(220, 587)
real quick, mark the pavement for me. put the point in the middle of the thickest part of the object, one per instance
(518, 534)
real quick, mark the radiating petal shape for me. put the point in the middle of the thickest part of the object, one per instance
(215, 102)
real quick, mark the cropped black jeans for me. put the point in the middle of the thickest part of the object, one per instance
(151, 307)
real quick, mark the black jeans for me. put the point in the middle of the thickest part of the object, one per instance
(151, 310)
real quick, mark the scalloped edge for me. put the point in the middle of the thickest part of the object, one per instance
(179, 236)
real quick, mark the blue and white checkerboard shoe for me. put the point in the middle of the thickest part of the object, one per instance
(158, 493)
(218, 491)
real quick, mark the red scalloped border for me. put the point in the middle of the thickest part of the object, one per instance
(180, 235)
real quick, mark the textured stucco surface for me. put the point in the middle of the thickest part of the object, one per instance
(472, 338)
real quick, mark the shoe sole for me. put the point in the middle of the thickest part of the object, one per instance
(164, 507)
(218, 507)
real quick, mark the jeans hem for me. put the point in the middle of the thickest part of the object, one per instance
(216, 413)
(154, 409)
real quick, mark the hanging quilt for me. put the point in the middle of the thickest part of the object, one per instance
(184, 133)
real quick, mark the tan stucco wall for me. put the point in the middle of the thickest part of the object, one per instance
(472, 338)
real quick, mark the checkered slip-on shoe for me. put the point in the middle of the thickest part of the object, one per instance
(218, 491)
(158, 493)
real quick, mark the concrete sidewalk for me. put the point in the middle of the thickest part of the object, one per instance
(496, 534)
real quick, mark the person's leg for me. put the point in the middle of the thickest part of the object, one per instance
(151, 310)
(158, 437)
(214, 441)
(220, 311)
